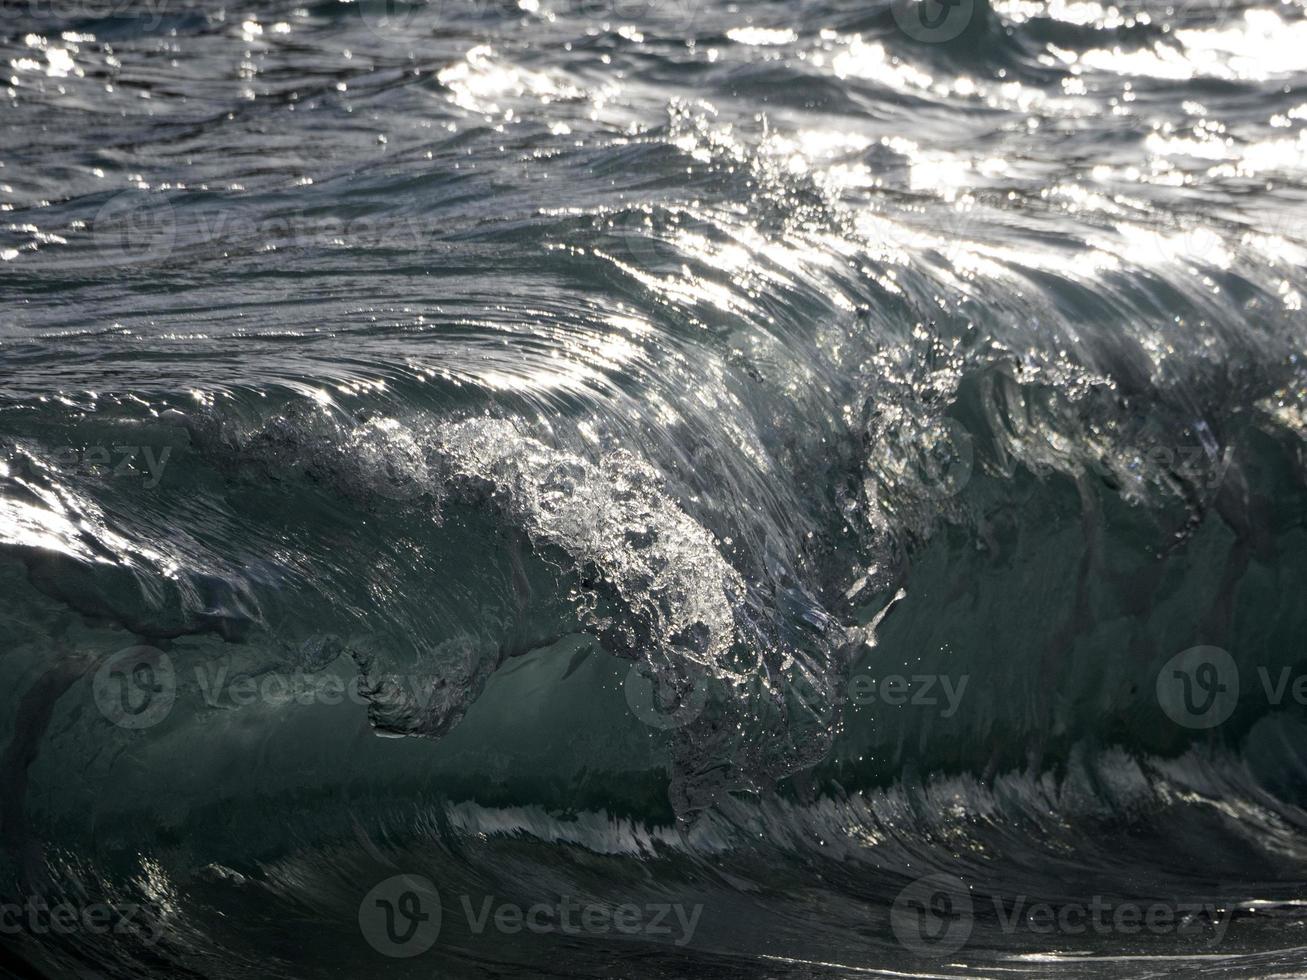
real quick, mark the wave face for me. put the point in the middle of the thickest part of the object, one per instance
(641, 488)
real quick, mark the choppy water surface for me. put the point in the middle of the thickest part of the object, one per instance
(653, 488)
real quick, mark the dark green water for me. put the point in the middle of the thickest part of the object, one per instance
(652, 490)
